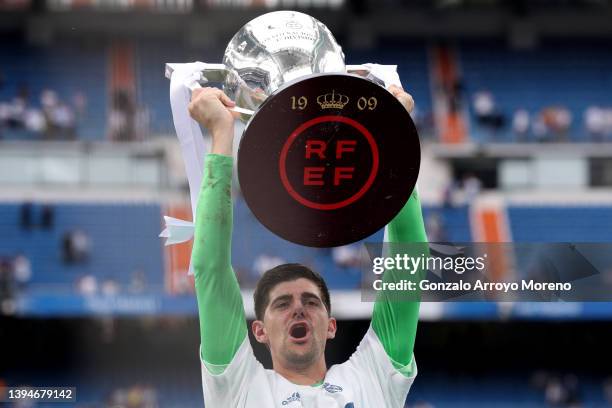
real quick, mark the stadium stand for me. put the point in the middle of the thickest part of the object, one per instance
(34, 69)
(110, 230)
(534, 79)
(152, 85)
(565, 223)
(412, 65)
(113, 227)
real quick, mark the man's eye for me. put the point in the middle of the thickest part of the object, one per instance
(313, 303)
(282, 305)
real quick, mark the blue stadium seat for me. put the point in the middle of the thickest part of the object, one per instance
(560, 223)
(153, 87)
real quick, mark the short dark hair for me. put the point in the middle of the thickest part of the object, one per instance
(286, 273)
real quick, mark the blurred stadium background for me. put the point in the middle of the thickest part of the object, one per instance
(514, 107)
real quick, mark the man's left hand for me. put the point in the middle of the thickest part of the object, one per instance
(404, 97)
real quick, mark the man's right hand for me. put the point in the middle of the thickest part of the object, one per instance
(209, 107)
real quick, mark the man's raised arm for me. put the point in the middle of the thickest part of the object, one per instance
(222, 320)
(395, 320)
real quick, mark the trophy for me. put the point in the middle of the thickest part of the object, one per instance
(328, 156)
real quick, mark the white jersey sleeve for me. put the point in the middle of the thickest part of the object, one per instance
(376, 371)
(231, 387)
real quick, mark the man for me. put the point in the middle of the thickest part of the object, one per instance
(292, 306)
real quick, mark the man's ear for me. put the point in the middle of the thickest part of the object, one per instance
(332, 326)
(259, 332)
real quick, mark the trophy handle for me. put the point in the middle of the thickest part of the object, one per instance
(210, 73)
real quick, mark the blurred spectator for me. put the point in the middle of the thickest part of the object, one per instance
(557, 121)
(15, 112)
(539, 130)
(110, 287)
(136, 396)
(346, 256)
(87, 285)
(607, 390)
(486, 111)
(555, 393)
(118, 398)
(4, 115)
(122, 117)
(150, 397)
(594, 122)
(55, 119)
(563, 122)
(562, 392)
(570, 382)
(64, 121)
(75, 247)
(22, 270)
(436, 230)
(423, 121)
(455, 94)
(25, 216)
(471, 187)
(23, 92)
(422, 404)
(7, 286)
(60, 118)
(79, 101)
(47, 217)
(141, 123)
(3, 386)
(49, 101)
(138, 282)
(448, 194)
(608, 123)
(520, 124)
(34, 120)
(484, 105)
(265, 262)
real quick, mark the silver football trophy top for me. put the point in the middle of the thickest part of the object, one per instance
(272, 50)
(276, 48)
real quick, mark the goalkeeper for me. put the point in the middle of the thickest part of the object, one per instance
(292, 306)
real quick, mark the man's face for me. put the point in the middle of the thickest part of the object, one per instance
(296, 324)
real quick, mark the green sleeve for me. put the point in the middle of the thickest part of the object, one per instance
(395, 321)
(222, 320)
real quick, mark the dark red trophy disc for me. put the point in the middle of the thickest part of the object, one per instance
(328, 160)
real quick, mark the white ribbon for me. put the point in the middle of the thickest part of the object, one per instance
(184, 78)
(386, 73)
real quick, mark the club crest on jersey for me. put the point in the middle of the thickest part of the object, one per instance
(331, 388)
(294, 397)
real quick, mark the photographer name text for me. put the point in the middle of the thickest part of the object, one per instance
(464, 286)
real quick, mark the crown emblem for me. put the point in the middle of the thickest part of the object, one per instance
(332, 100)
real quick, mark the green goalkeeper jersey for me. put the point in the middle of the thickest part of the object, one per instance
(386, 351)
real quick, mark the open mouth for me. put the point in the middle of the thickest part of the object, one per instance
(298, 330)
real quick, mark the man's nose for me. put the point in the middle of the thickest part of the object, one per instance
(298, 310)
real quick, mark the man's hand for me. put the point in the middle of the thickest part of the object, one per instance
(404, 97)
(209, 107)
